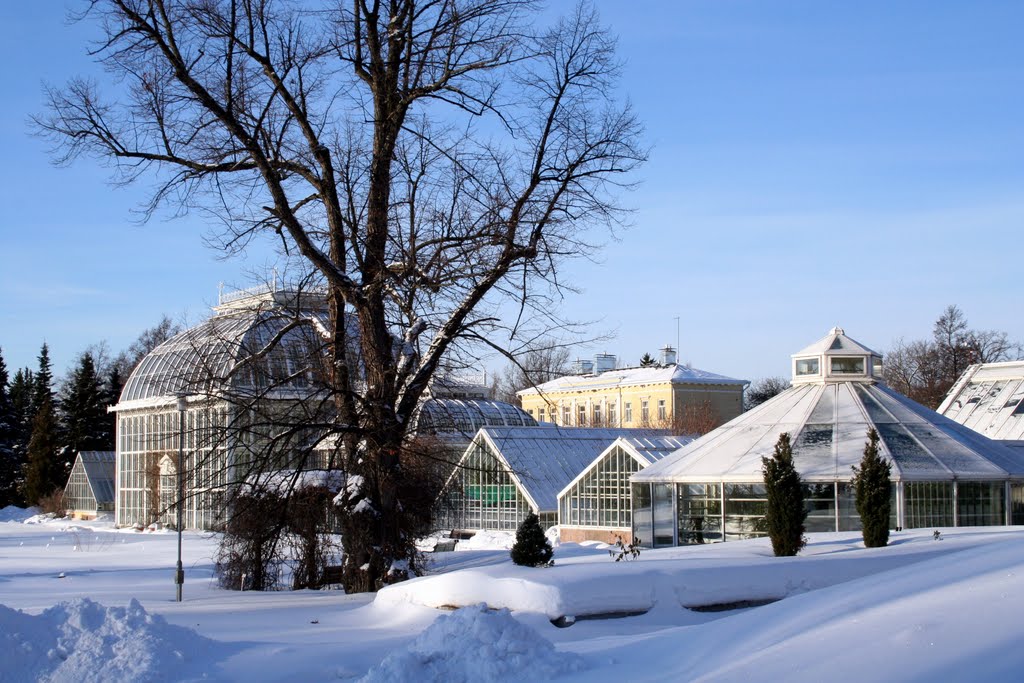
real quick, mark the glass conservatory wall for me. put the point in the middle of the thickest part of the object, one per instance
(699, 509)
(147, 489)
(483, 495)
(78, 494)
(980, 503)
(643, 523)
(745, 509)
(1017, 503)
(820, 503)
(927, 503)
(601, 497)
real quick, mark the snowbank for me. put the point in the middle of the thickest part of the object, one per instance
(12, 513)
(82, 641)
(478, 645)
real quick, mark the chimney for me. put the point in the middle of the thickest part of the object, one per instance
(668, 355)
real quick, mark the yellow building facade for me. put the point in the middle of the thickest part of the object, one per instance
(669, 396)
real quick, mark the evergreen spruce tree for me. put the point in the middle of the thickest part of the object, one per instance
(21, 390)
(111, 395)
(872, 485)
(647, 360)
(10, 466)
(786, 513)
(42, 390)
(46, 470)
(84, 415)
(531, 548)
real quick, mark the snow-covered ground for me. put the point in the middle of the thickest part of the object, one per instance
(83, 602)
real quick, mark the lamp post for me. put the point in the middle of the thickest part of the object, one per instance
(179, 575)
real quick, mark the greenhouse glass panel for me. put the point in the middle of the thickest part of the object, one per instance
(981, 503)
(745, 509)
(664, 515)
(927, 504)
(820, 503)
(1017, 503)
(643, 525)
(699, 507)
(846, 499)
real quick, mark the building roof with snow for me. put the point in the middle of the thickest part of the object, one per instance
(836, 398)
(989, 398)
(543, 460)
(669, 374)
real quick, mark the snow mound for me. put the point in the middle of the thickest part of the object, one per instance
(82, 641)
(475, 644)
(13, 513)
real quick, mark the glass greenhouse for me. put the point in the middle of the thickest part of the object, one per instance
(245, 375)
(90, 487)
(507, 472)
(943, 473)
(596, 504)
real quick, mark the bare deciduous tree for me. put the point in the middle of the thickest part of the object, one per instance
(535, 366)
(925, 370)
(430, 161)
(760, 390)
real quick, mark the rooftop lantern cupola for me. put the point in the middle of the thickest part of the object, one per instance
(836, 358)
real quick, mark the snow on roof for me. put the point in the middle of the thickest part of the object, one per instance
(989, 398)
(100, 471)
(675, 374)
(835, 343)
(829, 424)
(544, 460)
(645, 450)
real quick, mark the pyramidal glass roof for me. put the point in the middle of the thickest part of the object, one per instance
(828, 419)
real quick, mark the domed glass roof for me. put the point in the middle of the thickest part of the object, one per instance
(447, 415)
(238, 351)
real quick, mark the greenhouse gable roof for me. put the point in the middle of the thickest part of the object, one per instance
(989, 398)
(645, 450)
(100, 471)
(543, 460)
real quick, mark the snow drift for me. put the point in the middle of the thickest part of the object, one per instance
(475, 644)
(82, 641)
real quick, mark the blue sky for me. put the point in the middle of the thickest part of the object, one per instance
(813, 163)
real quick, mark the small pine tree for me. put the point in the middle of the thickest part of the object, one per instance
(647, 360)
(872, 484)
(531, 548)
(786, 513)
(42, 390)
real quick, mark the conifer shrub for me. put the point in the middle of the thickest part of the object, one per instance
(786, 514)
(531, 548)
(872, 484)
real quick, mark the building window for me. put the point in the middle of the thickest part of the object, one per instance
(566, 416)
(540, 414)
(628, 417)
(847, 366)
(529, 411)
(807, 366)
(645, 413)
(581, 416)
(612, 415)
(662, 414)
(597, 415)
